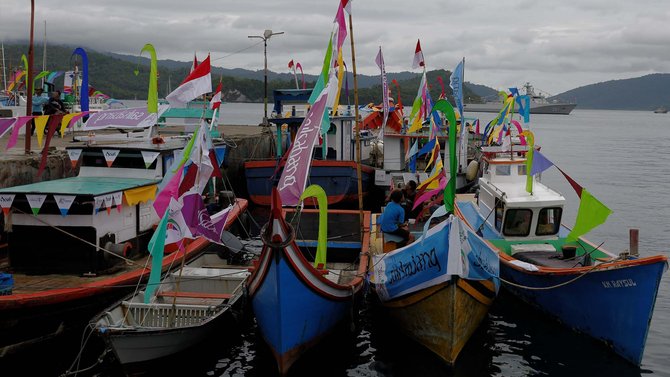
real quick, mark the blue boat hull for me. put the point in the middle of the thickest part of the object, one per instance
(611, 305)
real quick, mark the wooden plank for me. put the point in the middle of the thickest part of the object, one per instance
(194, 294)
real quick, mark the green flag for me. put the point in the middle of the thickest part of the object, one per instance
(323, 77)
(156, 246)
(321, 247)
(445, 108)
(591, 214)
(530, 139)
(152, 99)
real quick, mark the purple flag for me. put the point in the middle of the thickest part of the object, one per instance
(198, 220)
(5, 124)
(540, 163)
(296, 170)
(385, 87)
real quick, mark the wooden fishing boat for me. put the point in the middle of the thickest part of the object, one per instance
(79, 243)
(295, 303)
(435, 309)
(606, 296)
(191, 304)
(333, 165)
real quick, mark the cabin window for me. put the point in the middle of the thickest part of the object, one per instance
(332, 130)
(549, 221)
(521, 169)
(503, 170)
(500, 210)
(517, 222)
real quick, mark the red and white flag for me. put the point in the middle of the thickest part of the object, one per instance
(195, 63)
(216, 98)
(194, 85)
(418, 56)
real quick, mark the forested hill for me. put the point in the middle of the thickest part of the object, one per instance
(113, 75)
(641, 93)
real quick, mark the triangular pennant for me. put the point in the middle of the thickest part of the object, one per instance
(110, 156)
(20, 122)
(189, 179)
(64, 202)
(6, 201)
(576, 186)
(591, 213)
(149, 157)
(214, 161)
(99, 200)
(109, 202)
(36, 202)
(220, 154)
(74, 155)
(54, 120)
(118, 198)
(65, 122)
(5, 125)
(540, 163)
(40, 125)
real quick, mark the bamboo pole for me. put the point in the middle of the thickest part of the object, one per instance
(29, 74)
(358, 125)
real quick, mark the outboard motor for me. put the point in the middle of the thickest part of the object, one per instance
(233, 250)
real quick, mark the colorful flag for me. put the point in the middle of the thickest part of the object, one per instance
(6, 201)
(198, 220)
(54, 121)
(298, 66)
(215, 103)
(74, 155)
(418, 56)
(346, 4)
(197, 83)
(156, 248)
(20, 122)
(35, 202)
(5, 125)
(152, 95)
(456, 84)
(110, 156)
(195, 63)
(64, 202)
(149, 157)
(591, 213)
(540, 163)
(83, 97)
(385, 87)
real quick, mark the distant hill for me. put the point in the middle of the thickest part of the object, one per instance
(482, 91)
(641, 93)
(113, 75)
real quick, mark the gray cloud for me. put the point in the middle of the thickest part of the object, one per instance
(555, 45)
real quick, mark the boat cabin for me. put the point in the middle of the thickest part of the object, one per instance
(59, 226)
(512, 212)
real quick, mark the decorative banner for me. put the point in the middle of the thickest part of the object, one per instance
(140, 194)
(5, 125)
(64, 202)
(149, 157)
(68, 120)
(36, 202)
(109, 202)
(83, 90)
(54, 121)
(110, 156)
(118, 199)
(6, 201)
(40, 125)
(316, 191)
(20, 122)
(385, 88)
(99, 201)
(136, 117)
(74, 155)
(152, 96)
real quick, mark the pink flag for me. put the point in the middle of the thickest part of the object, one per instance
(290, 64)
(418, 56)
(346, 4)
(342, 27)
(5, 125)
(215, 103)
(195, 84)
(298, 66)
(427, 195)
(169, 191)
(296, 170)
(20, 122)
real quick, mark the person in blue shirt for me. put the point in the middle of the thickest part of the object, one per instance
(39, 99)
(393, 218)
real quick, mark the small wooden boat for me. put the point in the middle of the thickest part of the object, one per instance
(296, 304)
(80, 243)
(191, 304)
(437, 310)
(606, 296)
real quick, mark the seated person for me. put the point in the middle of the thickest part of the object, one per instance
(409, 193)
(393, 219)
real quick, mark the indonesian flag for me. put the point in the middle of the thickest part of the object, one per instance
(195, 63)
(195, 84)
(418, 56)
(216, 99)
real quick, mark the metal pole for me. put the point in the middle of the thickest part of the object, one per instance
(265, 99)
(29, 74)
(44, 52)
(358, 125)
(4, 68)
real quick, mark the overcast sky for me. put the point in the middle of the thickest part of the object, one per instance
(556, 45)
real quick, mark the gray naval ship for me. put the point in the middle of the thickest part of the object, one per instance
(539, 104)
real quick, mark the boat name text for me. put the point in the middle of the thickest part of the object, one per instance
(621, 283)
(418, 263)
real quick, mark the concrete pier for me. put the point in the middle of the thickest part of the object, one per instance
(19, 168)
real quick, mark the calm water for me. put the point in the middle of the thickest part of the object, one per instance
(619, 156)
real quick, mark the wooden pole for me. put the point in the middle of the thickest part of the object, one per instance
(29, 74)
(634, 239)
(358, 125)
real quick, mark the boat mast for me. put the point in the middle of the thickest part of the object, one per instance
(4, 68)
(358, 125)
(29, 74)
(44, 53)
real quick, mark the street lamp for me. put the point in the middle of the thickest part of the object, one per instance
(266, 35)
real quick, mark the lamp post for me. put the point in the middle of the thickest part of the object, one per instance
(266, 35)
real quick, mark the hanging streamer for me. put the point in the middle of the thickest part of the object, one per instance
(6, 201)
(149, 157)
(64, 202)
(110, 155)
(35, 201)
(74, 155)
(83, 91)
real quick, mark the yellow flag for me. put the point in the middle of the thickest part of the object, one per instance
(65, 122)
(317, 192)
(40, 125)
(140, 194)
(340, 74)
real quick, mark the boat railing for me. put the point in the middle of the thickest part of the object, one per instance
(167, 315)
